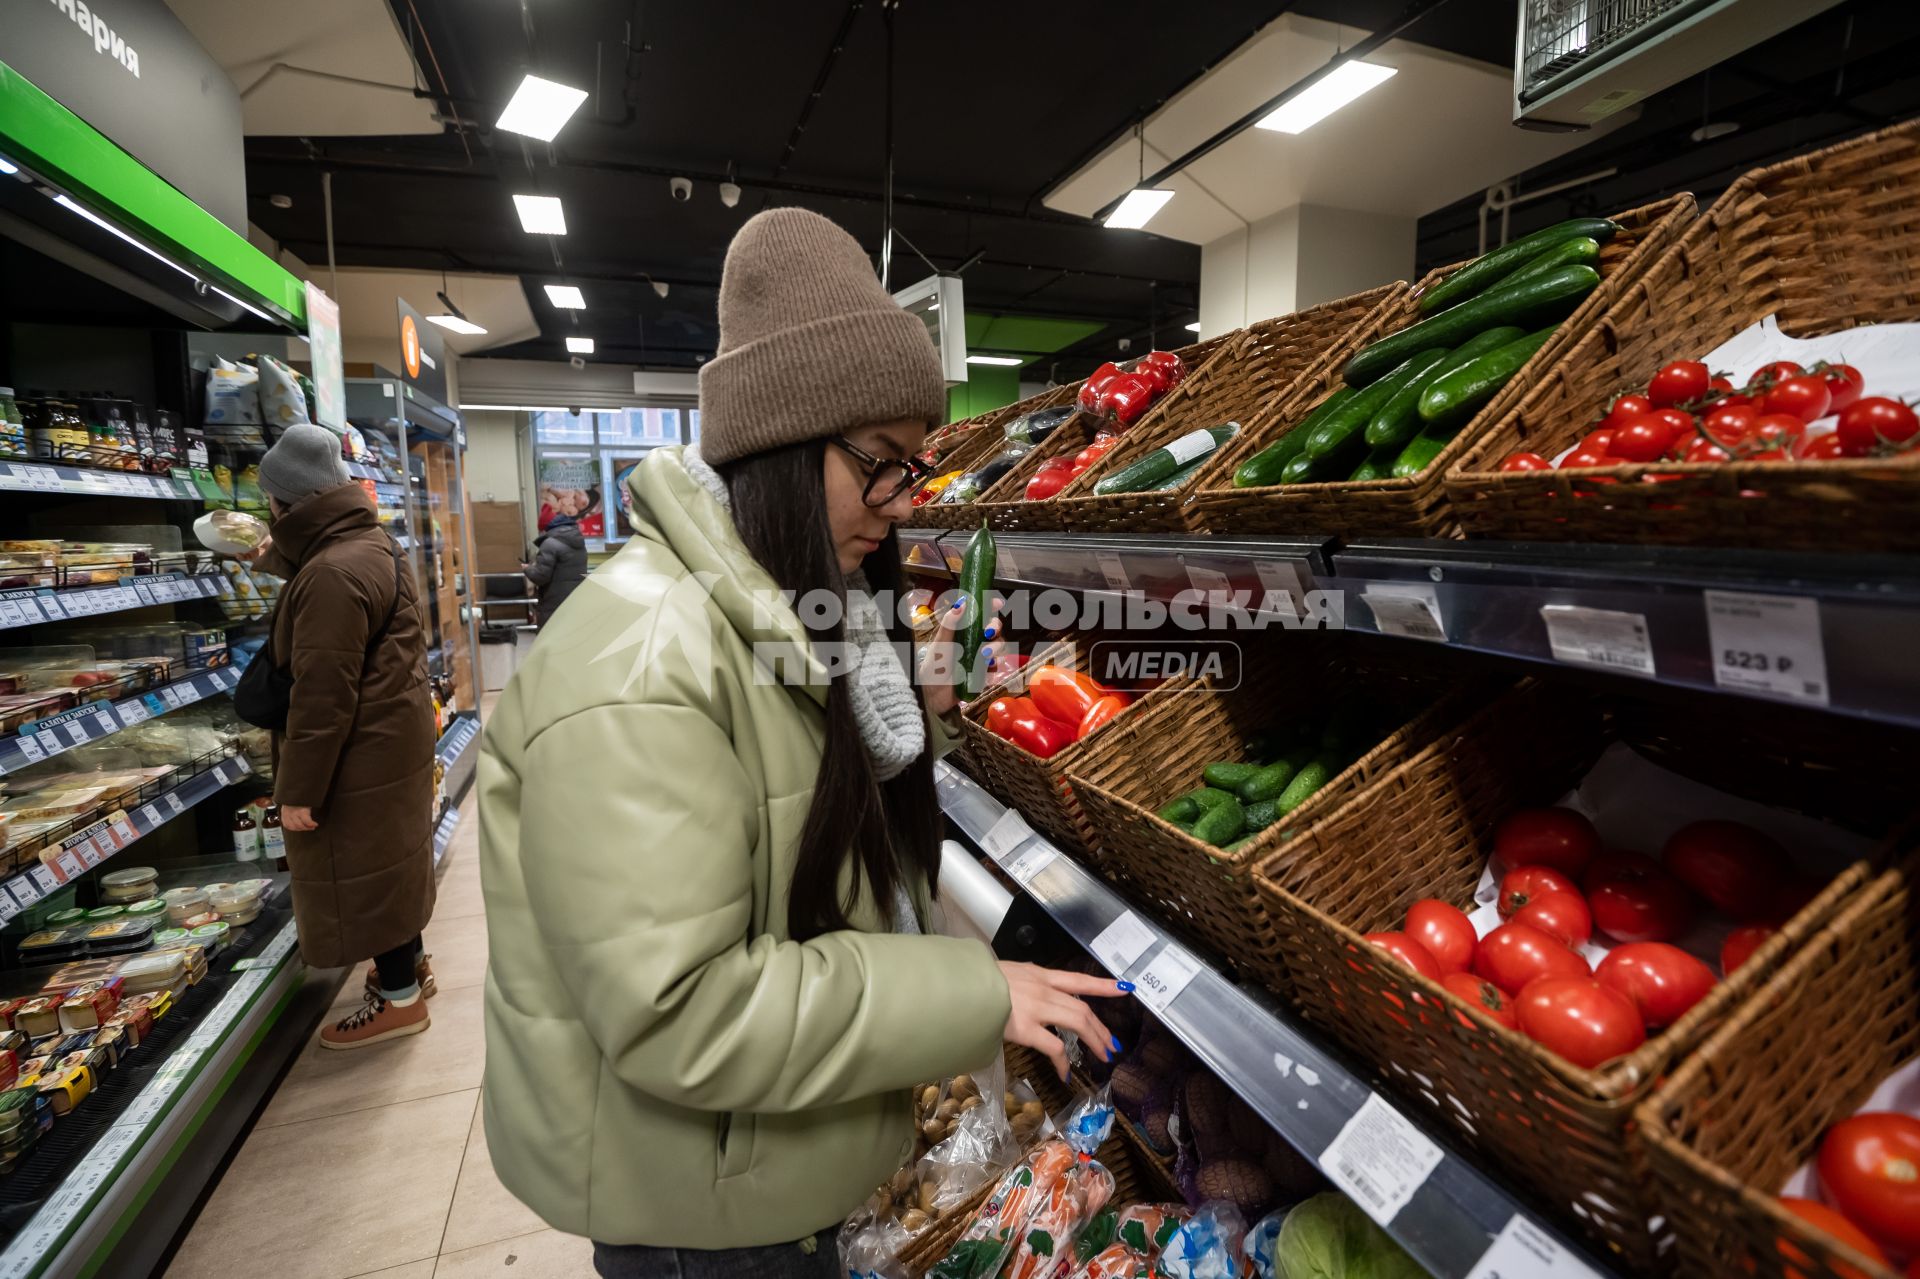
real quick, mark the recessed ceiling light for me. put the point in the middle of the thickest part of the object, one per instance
(579, 346)
(1326, 95)
(456, 324)
(540, 108)
(1138, 208)
(541, 214)
(1194, 327)
(568, 296)
(1008, 361)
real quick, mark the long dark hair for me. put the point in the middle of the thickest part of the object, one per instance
(888, 829)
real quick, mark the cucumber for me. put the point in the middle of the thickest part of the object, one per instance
(1300, 470)
(1475, 347)
(1181, 476)
(1582, 250)
(976, 583)
(1264, 467)
(1377, 465)
(1456, 397)
(1266, 783)
(1162, 463)
(1222, 825)
(1398, 419)
(1211, 797)
(1490, 268)
(1227, 776)
(1420, 452)
(1540, 300)
(1316, 774)
(1181, 812)
(1343, 432)
(1262, 815)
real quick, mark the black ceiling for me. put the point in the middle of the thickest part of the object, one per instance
(995, 103)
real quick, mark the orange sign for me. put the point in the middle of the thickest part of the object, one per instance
(410, 345)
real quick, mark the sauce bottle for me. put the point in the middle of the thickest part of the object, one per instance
(273, 838)
(246, 835)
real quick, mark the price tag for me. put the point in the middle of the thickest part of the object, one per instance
(1165, 976)
(10, 614)
(88, 852)
(171, 696)
(155, 704)
(1523, 1250)
(1282, 577)
(1410, 610)
(132, 712)
(23, 890)
(8, 909)
(1005, 835)
(1768, 644)
(123, 831)
(1030, 863)
(1209, 581)
(150, 816)
(1598, 637)
(44, 878)
(1121, 943)
(1002, 563)
(106, 721)
(76, 732)
(31, 749)
(173, 802)
(68, 864)
(49, 743)
(51, 607)
(146, 592)
(1113, 570)
(1379, 1159)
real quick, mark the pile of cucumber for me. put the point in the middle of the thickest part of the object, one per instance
(1409, 393)
(1239, 800)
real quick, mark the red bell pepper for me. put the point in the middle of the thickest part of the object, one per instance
(1033, 732)
(1063, 694)
(1093, 452)
(1000, 713)
(1099, 713)
(1156, 376)
(1050, 481)
(1126, 398)
(1172, 365)
(1089, 397)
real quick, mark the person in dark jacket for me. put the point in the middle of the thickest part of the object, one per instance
(559, 564)
(353, 770)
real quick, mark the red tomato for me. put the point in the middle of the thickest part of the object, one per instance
(1633, 899)
(1805, 398)
(1600, 441)
(1870, 1168)
(1556, 837)
(1730, 424)
(1867, 425)
(1407, 951)
(1679, 382)
(1445, 932)
(1561, 916)
(1702, 451)
(1844, 384)
(1483, 995)
(1525, 462)
(1732, 865)
(1821, 448)
(1099, 714)
(1626, 409)
(1740, 944)
(1775, 431)
(1826, 1220)
(1514, 954)
(1646, 439)
(1521, 887)
(1063, 694)
(1662, 981)
(1775, 372)
(1582, 457)
(1582, 1020)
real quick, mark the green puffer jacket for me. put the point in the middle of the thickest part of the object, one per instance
(665, 1065)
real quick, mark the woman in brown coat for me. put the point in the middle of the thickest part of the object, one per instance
(353, 771)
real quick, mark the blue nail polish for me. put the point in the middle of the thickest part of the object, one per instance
(988, 633)
(987, 651)
(1116, 1043)
(959, 604)
(1126, 987)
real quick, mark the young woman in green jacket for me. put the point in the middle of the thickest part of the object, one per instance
(709, 833)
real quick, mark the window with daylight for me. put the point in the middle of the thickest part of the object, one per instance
(581, 464)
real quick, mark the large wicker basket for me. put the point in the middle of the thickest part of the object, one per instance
(1424, 830)
(1208, 891)
(1241, 383)
(988, 442)
(1801, 1054)
(1416, 506)
(1825, 242)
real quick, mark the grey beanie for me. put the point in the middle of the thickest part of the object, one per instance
(810, 344)
(304, 461)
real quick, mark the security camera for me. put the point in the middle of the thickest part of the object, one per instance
(729, 193)
(575, 408)
(660, 287)
(682, 189)
(1126, 344)
(578, 363)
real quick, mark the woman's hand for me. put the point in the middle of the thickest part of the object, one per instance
(943, 695)
(248, 557)
(295, 818)
(1044, 997)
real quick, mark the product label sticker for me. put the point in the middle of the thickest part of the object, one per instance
(1379, 1159)
(1210, 582)
(155, 704)
(44, 878)
(1165, 976)
(68, 864)
(1410, 610)
(8, 909)
(1121, 943)
(1037, 858)
(1113, 570)
(1282, 577)
(76, 733)
(1522, 1250)
(1191, 445)
(123, 831)
(48, 742)
(1006, 834)
(88, 853)
(173, 802)
(23, 890)
(10, 614)
(150, 816)
(31, 749)
(171, 696)
(105, 721)
(1768, 644)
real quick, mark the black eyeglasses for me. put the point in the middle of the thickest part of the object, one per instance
(886, 477)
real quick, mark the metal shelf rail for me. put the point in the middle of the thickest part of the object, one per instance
(30, 606)
(1451, 1217)
(84, 481)
(44, 738)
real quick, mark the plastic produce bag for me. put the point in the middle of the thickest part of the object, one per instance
(1261, 1242)
(983, 1141)
(1033, 428)
(1206, 1246)
(869, 1245)
(1050, 1232)
(282, 402)
(233, 401)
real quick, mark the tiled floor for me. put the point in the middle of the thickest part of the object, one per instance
(374, 1162)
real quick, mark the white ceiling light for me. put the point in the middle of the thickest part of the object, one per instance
(579, 346)
(540, 108)
(1194, 327)
(1138, 208)
(69, 205)
(1326, 95)
(456, 324)
(568, 296)
(541, 214)
(6, 167)
(1007, 361)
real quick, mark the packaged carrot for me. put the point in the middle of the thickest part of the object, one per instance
(983, 1246)
(1046, 1245)
(1116, 1261)
(1146, 1227)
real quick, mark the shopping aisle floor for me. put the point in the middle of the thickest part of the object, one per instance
(374, 1162)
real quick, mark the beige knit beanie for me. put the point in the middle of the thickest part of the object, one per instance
(810, 344)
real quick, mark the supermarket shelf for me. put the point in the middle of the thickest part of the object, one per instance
(443, 833)
(82, 481)
(94, 844)
(1450, 1216)
(1833, 632)
(83, 724)
(31, 606)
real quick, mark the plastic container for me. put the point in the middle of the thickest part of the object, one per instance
(101, 914)
(212, 936)
(135, 883)
(235, 904)
(184, 903)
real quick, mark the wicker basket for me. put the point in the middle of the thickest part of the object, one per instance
(1423, 829)
(1825, 242)
(1258, 372)
(1208, 891)
(990, 427)
(1416, 506)
(1750, 1107)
